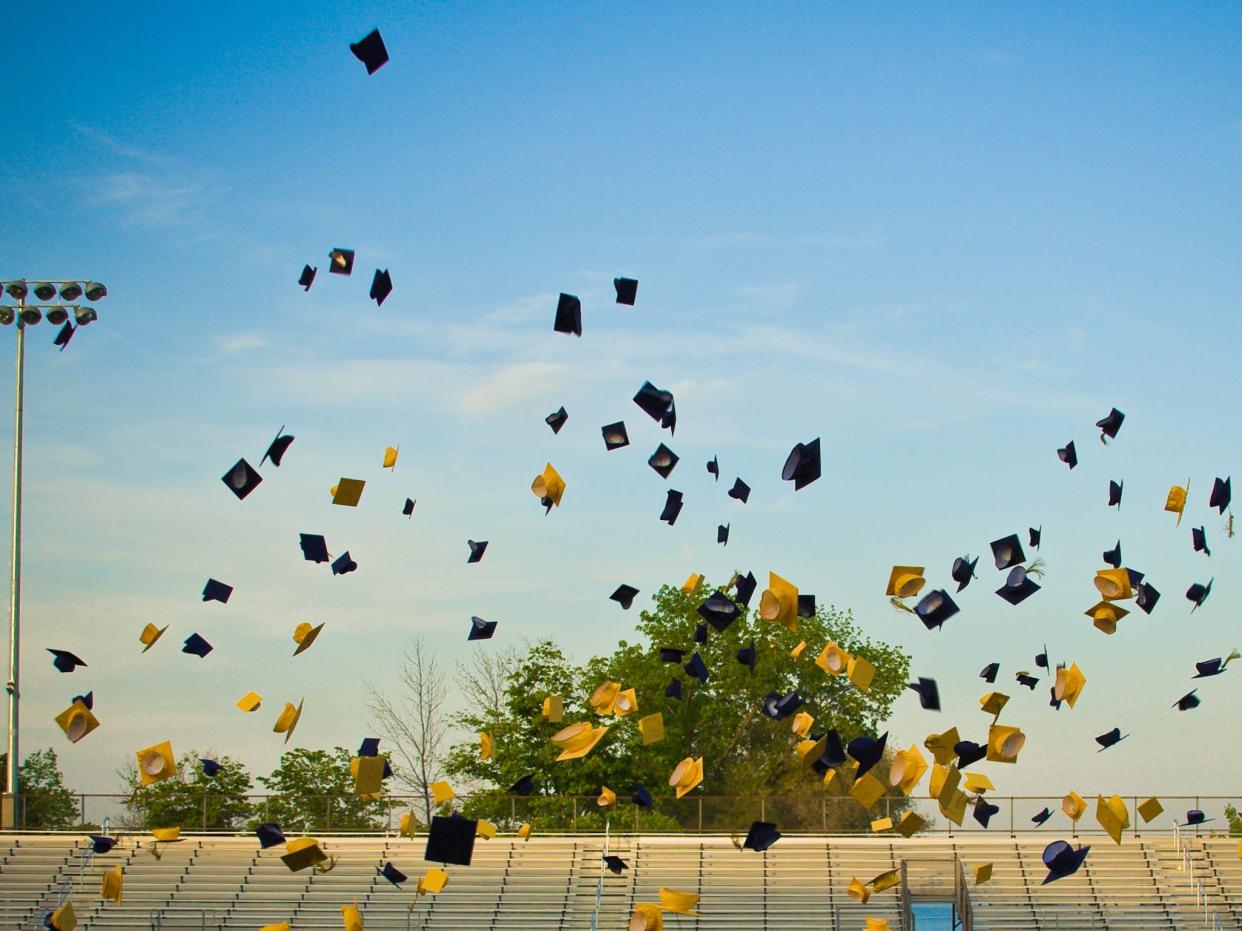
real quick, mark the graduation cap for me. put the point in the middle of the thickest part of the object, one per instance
(700, 633)
(63, 918)
(1187, 701)
(1195, 816)
(615, 436)
(1221, 495)
(102, 844)
(196, 646)
(719, 611)
(304, 635)
(1107, 740)
(746, 586)
(696, 667)
(241, 479)
(1113, 556)
(1110, 425)
(672, 507)
(659, 405)
(641, 797)
(343, 565)
(1146, 596)
(64, 660)
(802, 466)
(307, 277)
(370, 51)
(867, 751)
(65, 334)
(761, 836)
(1212, 667)
(984, 811)
(1042, 816)
(740, 491)
(568, 315)
(1198, 594)
(747, 656)
(1041, 659)
(392, 874)
(477, 549)
(963, 570)
(1007, 551)
(663, 460)
(627, 290)
(408, 508)
(1114, 493)
(615, 864)
(1198, 538)
(988, 673)
(787, 704)
(524, 786)
(481, 629)
(722, 534)
(624, 596)
(276, 449)
(269, 835)
(824, 752)
(1034, 533)
(314, 547)
(935, 608)
(673, 689)
(806, 605)
(671, 655)
(1068, 454)
(341, 261)
(217, 591)
(1028, 680)
(713, 467)
(451, 840)
(929, 693)
(556, 420)
(1018, 586)
(968, 752)
(76, 720)
(210, 767)
(1062, 860)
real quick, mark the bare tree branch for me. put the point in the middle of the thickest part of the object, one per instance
(482, 682)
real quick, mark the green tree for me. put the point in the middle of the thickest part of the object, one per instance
(192, 801)
(313, 790)
(45, 804)
(1234, 819)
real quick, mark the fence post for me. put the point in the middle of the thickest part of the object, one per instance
(327, 812)
(573, 815)
(635, 819)
(512, 810)
(266, 811)
(763, 809)
(700, 814)
(823, 813)
(82, 808)
(1011, 834)
(204, 812)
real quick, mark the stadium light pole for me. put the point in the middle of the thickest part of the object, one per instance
(55, 300)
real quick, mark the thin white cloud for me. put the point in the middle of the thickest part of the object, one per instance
(150, 200)
(243, 342)
(120, 148)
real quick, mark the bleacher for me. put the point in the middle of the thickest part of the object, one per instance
(560, 882)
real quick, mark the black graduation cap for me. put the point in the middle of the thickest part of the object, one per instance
(1113, 556)
(1035, 533)
(642, 798)
(370, 51)
(935, 608)
(1198, 594)
(481, 629)
(568, 315)
(1221, 494)
(381, 287)
(713, 467)
(65, 334)
(719, 610)
(740, 491)
(984, 811)
(392, 874)
(1187, 701)
(343, 564)
(761, 836)
(1209, 667)
(276, 449)
(771, 705)
(1062, 860)
(341, 261)
(802, 465)
(451, 840)
(524, 786)
(989, 672)
(1028, 680)
(314, 547)
(196, 646)
(1007, 551)
(1107, 740)
(627, 290)
(624, 596)
(269, 834)
(1041, 659)
(1042, 816)
(659, 405)
(1110, 424)
(1068, 454)
(672, 507)
(101, 843)
(722, 534)
(477, 549)
(1146, 596)
(1018, 586)
(615, 864)
(1136, 577)
(64, 660)
(210, 768)
(787, 704)
(1114, 493)
(929, 693)
(308, 277)
(663, 460)
(827, 752)
(673, 689)
(1198, 538)
(88, 700)
(615, 436)
(867, 751)
(217, 591)
(696, 667)
(241, 479)
(700, 633)
(747, 656)
(963, 570)
(746, 586)
(556, 420)
(369, 746)
(408, 508)
(806, 605)
(968, 752)
(671, 655)
(1195, 816)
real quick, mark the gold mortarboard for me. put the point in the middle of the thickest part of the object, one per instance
(905, 581)
(977, 782)
(368, 774)
(857, 891)
(833, 660)
(910, 824)
(432, 882)
(279, 926)
(486, 748)
(553, 709)
(150, 633)
(860, 672)
(679, 903)
(484, 829)
(867, 791)
(1112, 816)
(686, 775)
(548, 486)
(390, 457)
(348, 491)
(304, 635)
(441, 792)
(409, 825)
(302, 852)
(156, 763)
(577, 740)
(983, 872)
(112, 884)
(797, 651)
(604, 696)
(250, 701)
(288, 719)
(779, 602)
(1074, 805)
(646, 917)
(941, 746)
(607, 798)
(1004, 743)
(651, 728)
(908, 768)
(1150, 809)
(954, 806)
(77, 721)
(524, 830)
(1105, 616)
(880, 825)
(693, 581)
(885, 880)
(351, 917)
(993, 702)
(1069, 684)
(627, 702)
(63, 919)
(875, 924)
(1176, 500)
(1113, 584)
(801, 724)
(166, 835)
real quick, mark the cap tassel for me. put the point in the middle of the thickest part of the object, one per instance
(901, 606)
(1036, 568)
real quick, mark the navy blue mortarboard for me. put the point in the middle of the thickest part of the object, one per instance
(722, 534)
(370, 51)
(1034, 534)
(1136, 577)
(524, 786)
(615, 864)
(1146, 596)
(968, 752)
(381, 287)
(935, 608)
(963, 570)
(307, 277)
(1195, 816)
(1209, 667)
(663, 460)
(341, 261)
(1068, 454)
(1042, 816)
(392, 874)
(747, 656)
(671, 655)
(1007, 551)
(217, 591)
(269, 834)
(806, 605)
(568, 315)
(1109, 739)
(719, 610)
(477, 549)
(713, 467)
(101, 843)
(1115, 490)
(1198, 539)
(826, 753)
(700, 633)
(1113, 556)
(624, 596)
(314, 547)
(673, 689)
(1111, 424)
(627, 290)
(867, 751)
(1028, 680)
(984, 811)
(64, 335)
(696, 667)
(802, 466)
(451, 840)
(1041, 659)
(481, 629)
(1018, 586)
(929, 693)
(659, 405)
(1187, 701)
(740, 491)
(615, 435)
(641, 797)
(556, 419)
(989, 672)
(276, 449)
(369, 746)
(1062, 860)
(788, 703)
(64, 660)
(210, 767)
(1221, 495)
(672, 507)
(196, 646)
(88, 700)
(761, 836)
(343, 564)
(408, 508)
(746, 586)
(1198, 594)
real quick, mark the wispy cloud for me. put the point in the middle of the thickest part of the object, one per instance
(243, 342)
(120, 148)
(149, 199)
(511, 386)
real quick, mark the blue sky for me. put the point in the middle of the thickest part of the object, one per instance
(944, 240)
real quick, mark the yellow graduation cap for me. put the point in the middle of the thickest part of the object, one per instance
(860, 672)
(351, 917)
(686, 775)
(409, 825)
(63, 919)
(77, 721)
(885, 880)
(604, 696)
(486, 749)
(150, 633)
(548, 486)
(953, 806)
(112, 883)
(348, 491)
(1074, 805)
(943, 782)
(797, 651)
(524, 830)
(779, 602)
(250, 701)
(390, 457)
(302, 852)
(867, 791)
(875, 924)
(941, 746)
(693, 581)
(977, 782)
(1112, 816)
(1105, 616)
(607, 798)
(1069, 683)
(905, 581)
(910, 824)
(646, 917)
(368, 774)
(993, 702)
(278, 926)
(1150, 809)
(833, 660)
(651, 728)
(857, 891)
(156, 763)
(1113, 584)
(801, 724)
(1004, 743)
(484, 829)
(554, 709)
(908, 768)
(288, 719)
(577, 740)
(983, 872)
(1176, 501)
(432, 882)
(880, 825)
(679, 903)
(627, 702)
(304, 635)
(441, 792)
(166, 835)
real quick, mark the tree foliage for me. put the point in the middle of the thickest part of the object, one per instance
(192, 801)
(312, 790)
(45, 803)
